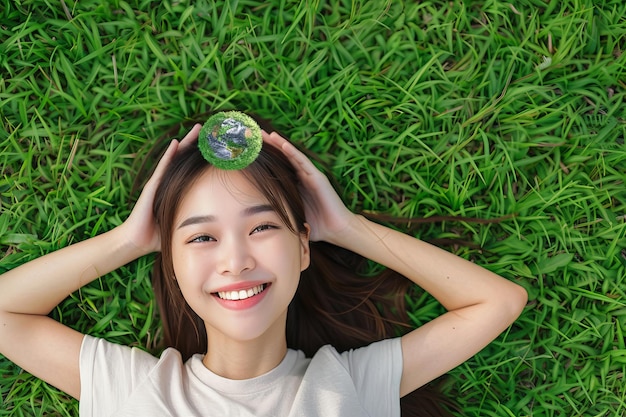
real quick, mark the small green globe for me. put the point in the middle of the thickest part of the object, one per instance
(230, 140)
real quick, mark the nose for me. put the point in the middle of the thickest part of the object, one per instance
(235, 257)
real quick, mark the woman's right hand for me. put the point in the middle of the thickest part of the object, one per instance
(140, 226)
(28, 293)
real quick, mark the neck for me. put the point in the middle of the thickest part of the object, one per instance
(234, 359)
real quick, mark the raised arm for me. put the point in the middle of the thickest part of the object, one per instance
(28, 293)
(479, 303)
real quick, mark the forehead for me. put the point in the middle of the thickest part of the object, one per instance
(217, 187)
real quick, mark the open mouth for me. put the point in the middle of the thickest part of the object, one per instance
(242, 294)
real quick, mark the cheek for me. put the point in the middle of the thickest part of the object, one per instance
(188, 268)
(292, 258)
(178, 263)
(189, 281)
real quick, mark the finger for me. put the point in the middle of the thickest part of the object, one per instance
(169, 154)
(164, 162)
(191, 136)
(299, 160)
(273, 139)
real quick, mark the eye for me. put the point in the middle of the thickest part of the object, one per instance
(263, 228)
(202, 238)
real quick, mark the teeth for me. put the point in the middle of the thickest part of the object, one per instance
(241, 294)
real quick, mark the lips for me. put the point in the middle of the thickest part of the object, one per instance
(243, 294)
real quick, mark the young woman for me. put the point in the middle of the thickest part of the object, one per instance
(253, 276)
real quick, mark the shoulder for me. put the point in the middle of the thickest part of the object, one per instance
(380, 361)
(97, 351)
(369, 376)
(99, 354)
(353, 359)
(110, 372)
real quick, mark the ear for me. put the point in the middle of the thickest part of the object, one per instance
(305, 251)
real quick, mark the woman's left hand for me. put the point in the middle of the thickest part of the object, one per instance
(324, 210)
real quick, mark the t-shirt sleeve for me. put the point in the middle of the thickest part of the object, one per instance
(108, 374)
(376, 371)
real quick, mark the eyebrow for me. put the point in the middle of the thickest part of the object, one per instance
(247, 212)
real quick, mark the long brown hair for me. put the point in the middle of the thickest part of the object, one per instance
(338, 301)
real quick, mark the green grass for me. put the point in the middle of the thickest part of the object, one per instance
(424, 109)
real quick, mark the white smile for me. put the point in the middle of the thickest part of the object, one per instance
(241, 294)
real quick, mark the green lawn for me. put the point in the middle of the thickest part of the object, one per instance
(486, 111)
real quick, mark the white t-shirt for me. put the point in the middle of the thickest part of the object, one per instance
(118, 380)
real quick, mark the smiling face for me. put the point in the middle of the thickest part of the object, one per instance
(237, 264)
